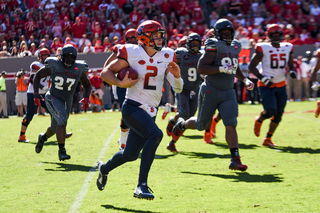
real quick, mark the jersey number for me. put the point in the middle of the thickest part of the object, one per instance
(192, 74)
(278, 61)
(234, 62)
(148, 75)
(59, 82)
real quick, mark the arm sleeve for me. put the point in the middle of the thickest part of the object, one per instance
(176, 83)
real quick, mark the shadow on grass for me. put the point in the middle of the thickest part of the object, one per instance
(241, 146)
(203, 155)
(65, 167)
(296, 150)
(245, 177)
(125, 209)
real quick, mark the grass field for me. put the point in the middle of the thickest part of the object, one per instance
(197, 179)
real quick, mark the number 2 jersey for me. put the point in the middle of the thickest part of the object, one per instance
(274, 60)
(225, 54)
(64, 79)
(188, 68)
(151, 72)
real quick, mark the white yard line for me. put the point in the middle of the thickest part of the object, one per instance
(86, 182)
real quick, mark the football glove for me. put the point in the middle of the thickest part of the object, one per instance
(267, 80)
(85, 105)
(293, 74)
(315, 86)
(227, 68)
(36, 99)
(249, 84)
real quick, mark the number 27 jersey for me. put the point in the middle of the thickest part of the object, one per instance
(151, 72)
(274, 60)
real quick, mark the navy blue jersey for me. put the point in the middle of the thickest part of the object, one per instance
(64, 79)
(225, 54)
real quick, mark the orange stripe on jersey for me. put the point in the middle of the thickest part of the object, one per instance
(280, 84)
(123, 53)
(36, 67)
(115, 49)
(258, 49)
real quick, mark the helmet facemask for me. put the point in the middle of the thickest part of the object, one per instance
(162, 37)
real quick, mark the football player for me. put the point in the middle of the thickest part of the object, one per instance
(220, 65)
(274, 56)
(187, 100)
(315, 85)
(130, 37)
(65, 73)
(154, 63)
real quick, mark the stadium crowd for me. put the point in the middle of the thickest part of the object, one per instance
(96, 25)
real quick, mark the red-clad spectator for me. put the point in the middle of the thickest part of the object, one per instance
(18, 23)
(30, 27)
(84, 17)
(48, 17)
(3, 5)
(94, 7)
(98, 48)
(55, 45)
(296, 26)
(63, 13)
(107, 46)
(3, 33)
(30, 3)
(297, 40)
(245, 6)
(12, 4)
(66, 26)
(69, 41)
(183, 10)
(169, 30)
(134, 17)
(292, 5)
(187, 20)
(78, 29)
(31, 14)
(275, 7)
(197, 13)
(103, 6)
(113, 16)
(309, 39)
(7, 22)
(121, 3)
(33, 48)
(194, 28)
(96, 31)
(59, 6)
(176, 35)
(165, 7)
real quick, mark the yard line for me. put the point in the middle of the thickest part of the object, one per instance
(86, 183)
(310, 119)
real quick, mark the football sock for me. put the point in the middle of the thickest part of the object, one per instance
(22, 133)
(234, 152)
(269, 135)
(61, 145)
(45, 137)
(259, 120)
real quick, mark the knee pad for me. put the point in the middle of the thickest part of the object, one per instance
(276, 119)
(25, 122)
(269, 113)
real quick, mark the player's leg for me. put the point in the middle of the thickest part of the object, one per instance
(281, 99)
(124, 131)
(215, 120)
(228, 110)
(31, 110)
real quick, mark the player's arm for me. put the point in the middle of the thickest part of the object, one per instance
(108, 74)
(42, 73)
(205, 63)
(174, 77)
(255, 60)
(86, 85)
(314, 70)
(112, 57)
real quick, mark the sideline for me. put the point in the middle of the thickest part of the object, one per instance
(86, 183)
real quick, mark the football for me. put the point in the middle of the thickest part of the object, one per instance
(133, 74)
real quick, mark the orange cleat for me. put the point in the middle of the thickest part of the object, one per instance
(23, 138)
(317, 112)
(207, 138)
(257, 126)
(268, 142)
(213, 128)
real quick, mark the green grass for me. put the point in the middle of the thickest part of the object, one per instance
(197, 179)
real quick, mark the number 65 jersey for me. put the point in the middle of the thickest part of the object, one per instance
(274, 60)
(151, 72)
(64, 79)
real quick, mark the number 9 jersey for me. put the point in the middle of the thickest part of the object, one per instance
(274, 60)
(151, 72)
(64, 79)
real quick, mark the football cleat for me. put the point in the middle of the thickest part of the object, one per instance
(63, 155)
(207, 138)
(257, 126)
(102, 178)
(40, 143)
(69, 134)
(142, 192)
(268, 142)
(213, 128)
(178, 129)
(22, 138)
(170, 126)
(236, 164)
(172, 147)
(167, 109)
(317, 112)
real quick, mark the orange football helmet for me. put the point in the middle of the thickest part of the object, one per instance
(130, 36)
(43, 52)
(145, 31)
(273, 29)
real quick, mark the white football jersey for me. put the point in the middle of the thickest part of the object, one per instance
(36, 65)
(151, 72)
(274, 60)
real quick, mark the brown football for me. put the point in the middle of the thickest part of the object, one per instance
(133, 74)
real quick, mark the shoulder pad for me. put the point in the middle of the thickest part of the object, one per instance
(210, 44)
